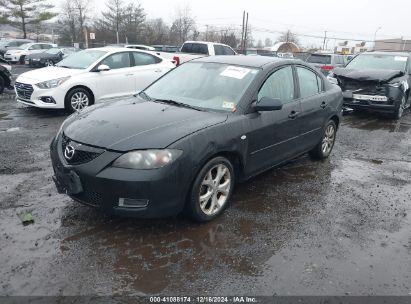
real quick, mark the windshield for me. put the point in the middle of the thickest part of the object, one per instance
(4, 42)
(82, 59)
(378, 61)
(53, 51)
(322, 59)
(213, 86)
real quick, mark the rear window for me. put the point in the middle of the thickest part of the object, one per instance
(322, 59)
(195, 48)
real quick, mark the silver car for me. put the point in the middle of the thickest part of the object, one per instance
(326, 62)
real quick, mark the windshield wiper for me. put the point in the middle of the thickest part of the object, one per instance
(63, 66)
(178, 104)
(143, 95)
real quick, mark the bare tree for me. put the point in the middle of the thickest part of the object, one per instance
(183, 26)
(156, 31)
(288, 36)
(25, 12)
(132, 22)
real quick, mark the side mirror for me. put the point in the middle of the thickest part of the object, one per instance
(268, 104)
(103, 67)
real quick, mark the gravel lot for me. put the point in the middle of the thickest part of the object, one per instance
(338, 227)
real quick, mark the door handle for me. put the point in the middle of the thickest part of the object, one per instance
(323, 105)
(158, 71)
(293, 114)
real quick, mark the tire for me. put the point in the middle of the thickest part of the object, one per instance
(49, 63)
(22, 58)
(77, 99)
(401, 107)
(2, 85)
(206, 200)
(323, 149)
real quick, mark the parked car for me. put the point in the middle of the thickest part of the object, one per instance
(49, 57)
(376, 81)
(5, 64)
(5, 78)
(326, 62)
(166, 48)
(134, 46)
(7, 43)
(183, 142)
(18, 54)
(90, 76)
(197, 49)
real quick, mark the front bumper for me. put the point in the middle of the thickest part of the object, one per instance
(12, 58)
(97, 184)
(34, 98)
(375, 103)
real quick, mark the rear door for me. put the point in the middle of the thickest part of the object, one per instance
(314, 105)
(274, 135)
(146, 68)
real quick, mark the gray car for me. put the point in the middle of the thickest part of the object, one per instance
(326, 62)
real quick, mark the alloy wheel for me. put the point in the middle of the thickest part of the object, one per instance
(79, 101)
(215, 189)
(328, 140)
(49, 63)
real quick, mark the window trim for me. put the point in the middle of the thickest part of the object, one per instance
(276, 69)
(295, 66)
(133, 62)
(94, 69)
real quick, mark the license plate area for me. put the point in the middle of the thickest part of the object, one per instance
(68, 183)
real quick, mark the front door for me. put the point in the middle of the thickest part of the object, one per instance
(119, 80)
(274, 135)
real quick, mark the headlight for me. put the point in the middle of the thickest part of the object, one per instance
(395, 84)
(52, 83)
(147, 159)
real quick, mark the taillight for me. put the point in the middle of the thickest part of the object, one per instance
(177, 60)
(327, 67)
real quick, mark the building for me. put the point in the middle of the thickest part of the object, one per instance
(398, 44)
(350, 47)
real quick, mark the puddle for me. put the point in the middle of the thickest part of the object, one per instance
(3, 116)
(374, 121)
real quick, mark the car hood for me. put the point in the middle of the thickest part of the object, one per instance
(48, 73)
(134, 124)
(367, 74)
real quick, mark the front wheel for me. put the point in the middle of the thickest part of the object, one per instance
(49, 63)
(22, 58)
(323, 149)
(77, 99)
(2, 84)
(211, 190)
(402, 106)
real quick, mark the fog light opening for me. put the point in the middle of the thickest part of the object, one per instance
(47, 99)
(132, 203)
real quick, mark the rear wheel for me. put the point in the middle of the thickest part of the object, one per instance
(324, 147)
(77, 99)
(211, 190)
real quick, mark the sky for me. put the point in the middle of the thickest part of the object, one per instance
(353, 19)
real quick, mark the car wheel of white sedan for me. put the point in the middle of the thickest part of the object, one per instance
(78, 99)
(211, 190)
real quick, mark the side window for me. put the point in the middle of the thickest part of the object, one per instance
(35, 47)
(117, 61)
(228, 51)
(279, 85)
(144, 59)
(308, 81)
(14, 43)
(45, 46)
(219, 50)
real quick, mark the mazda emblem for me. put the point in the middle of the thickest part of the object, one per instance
(69, 152)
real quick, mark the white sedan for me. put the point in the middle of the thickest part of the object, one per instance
(90, 76)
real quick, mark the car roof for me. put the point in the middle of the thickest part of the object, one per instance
(116, 49)
(250, 61)
(406, 54)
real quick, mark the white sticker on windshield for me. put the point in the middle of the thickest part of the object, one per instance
(228, 105)
(400, 58)
(235, 72)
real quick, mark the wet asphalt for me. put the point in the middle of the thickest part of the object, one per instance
(334, 227)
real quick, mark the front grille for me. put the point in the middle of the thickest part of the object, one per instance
(363, 87)
(82, 153)
(23, 90)
(94, 199)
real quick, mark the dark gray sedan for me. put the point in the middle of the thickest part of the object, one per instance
(183, 142)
